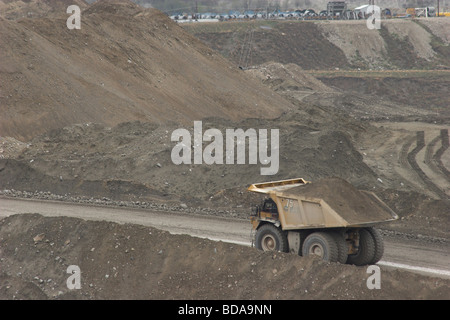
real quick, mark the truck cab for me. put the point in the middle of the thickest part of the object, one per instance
(268, 210)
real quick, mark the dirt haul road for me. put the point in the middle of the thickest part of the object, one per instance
(412, 253)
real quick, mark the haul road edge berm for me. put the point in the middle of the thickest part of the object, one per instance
(329, 218)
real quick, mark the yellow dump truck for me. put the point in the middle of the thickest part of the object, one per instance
(329, 218)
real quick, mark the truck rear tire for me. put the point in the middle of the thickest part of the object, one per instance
(321, 244)
(379, 244)
(342, 247)
(270, 238)
(366, 251)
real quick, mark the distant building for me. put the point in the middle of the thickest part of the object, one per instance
(335, 8)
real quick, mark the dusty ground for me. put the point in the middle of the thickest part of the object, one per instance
(70, 132)
(136, 262)
(400, 95)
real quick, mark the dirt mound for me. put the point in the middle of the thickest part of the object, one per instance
(350, 203)
(399, 44)
(10, 147)
(126, 63)
(288, 77)
(366, 46)
(20, 176)
(441, 29)
(136, 262)
(419, 38)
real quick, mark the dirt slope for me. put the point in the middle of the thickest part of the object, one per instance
(400, 44)
(363, 95)
(257, 42)
(136, 262)
(288, 77)
(126, 63)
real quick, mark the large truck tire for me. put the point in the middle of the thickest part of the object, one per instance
(379, 244)
(342, 246)
(270, 238)
(321, 244)
(366, 252)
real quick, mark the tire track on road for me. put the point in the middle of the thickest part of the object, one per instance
(437, 158)
(429, 152)
(403, 157)
(420, 144)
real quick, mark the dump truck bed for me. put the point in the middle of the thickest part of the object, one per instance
(326, 203)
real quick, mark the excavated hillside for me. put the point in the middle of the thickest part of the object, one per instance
(318, 45)
(125, 63)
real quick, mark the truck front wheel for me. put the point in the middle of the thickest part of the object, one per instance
(271, 238)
